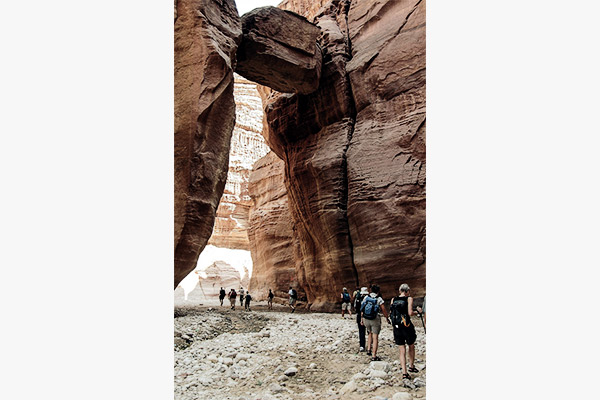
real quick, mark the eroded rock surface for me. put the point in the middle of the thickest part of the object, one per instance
(207, 35)
(279, 49)
(386, 156)
(354, 152)
(270, 233)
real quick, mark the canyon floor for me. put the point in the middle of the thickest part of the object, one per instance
(263, 354)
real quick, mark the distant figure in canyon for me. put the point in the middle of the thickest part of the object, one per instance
(248, 300)
(293, 297)
(346, 302)
(232, 298)
(371, 308)
(401, 308)
(358, 297)
(241, 297)
(221, 296)
(270, 299)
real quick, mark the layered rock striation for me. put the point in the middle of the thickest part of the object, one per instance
(207, 35)
(271, 234)
(247, 146)
(354, 152)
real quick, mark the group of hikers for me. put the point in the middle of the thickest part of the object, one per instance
(233, 295)
(245, 296)
(369, 307)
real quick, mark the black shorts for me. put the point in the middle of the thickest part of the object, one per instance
(404, 335)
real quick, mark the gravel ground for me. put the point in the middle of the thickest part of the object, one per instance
(262, 354)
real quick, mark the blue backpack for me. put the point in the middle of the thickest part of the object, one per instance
(346, 297)
(370, 308)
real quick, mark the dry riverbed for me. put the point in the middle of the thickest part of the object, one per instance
(222, 354)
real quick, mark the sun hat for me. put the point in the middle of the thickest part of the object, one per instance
(364, 290)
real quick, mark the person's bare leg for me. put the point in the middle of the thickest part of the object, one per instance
(403, 358)
(369, 342)
(375, 344)
(411, 355)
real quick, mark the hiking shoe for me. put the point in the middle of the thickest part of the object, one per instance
(368, 352)
(376, 358)
(361, 349)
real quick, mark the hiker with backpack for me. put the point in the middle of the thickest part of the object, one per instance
(293, 298)
(221, 295)
(358, 297)
(371, 308)
(270, 299)
(401, 308)
(232, 297)
(346, 302)
(248, 300)
(241, 296)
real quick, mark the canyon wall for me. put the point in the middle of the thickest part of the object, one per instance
(270, 232)
(354, 152)
(207, 34)
(247, 146)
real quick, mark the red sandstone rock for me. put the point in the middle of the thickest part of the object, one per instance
(270, 233)
(386, 156)
(311, 133)
(354, 152)
(207, 34)
(279, 49)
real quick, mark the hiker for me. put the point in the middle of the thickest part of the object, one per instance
(241, 296)
(404, 331)
(346, 302)
(293, 297)
(270, 299)
(248, 299)
(221, 295)
(232, 297)
(371, 308)
(358, 297)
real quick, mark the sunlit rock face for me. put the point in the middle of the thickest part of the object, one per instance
(307, 9)
(217, 267)
(247, 146)
(207, 34)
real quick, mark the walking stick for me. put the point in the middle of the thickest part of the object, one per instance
(421, 315)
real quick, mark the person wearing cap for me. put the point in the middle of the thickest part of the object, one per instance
(357, 298)
(346, 302)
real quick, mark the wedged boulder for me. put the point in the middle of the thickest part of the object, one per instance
(207, 34)
(311, 133)
(279, 50)
(386, 156)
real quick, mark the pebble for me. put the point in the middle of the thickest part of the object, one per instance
(348, 387)
(402, 396)
(379, 366)
(291, 371)
(276, 388)
(376, 373)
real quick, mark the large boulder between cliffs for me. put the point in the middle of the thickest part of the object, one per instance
(279, 49)
(207, 34)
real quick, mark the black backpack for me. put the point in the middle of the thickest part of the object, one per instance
(357, 300)
(346, 297)
(294, 294)
(398, 317)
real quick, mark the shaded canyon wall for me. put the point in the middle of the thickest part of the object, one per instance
(354, 153)
(207, 35)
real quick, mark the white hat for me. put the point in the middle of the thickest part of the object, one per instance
(364, 290)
